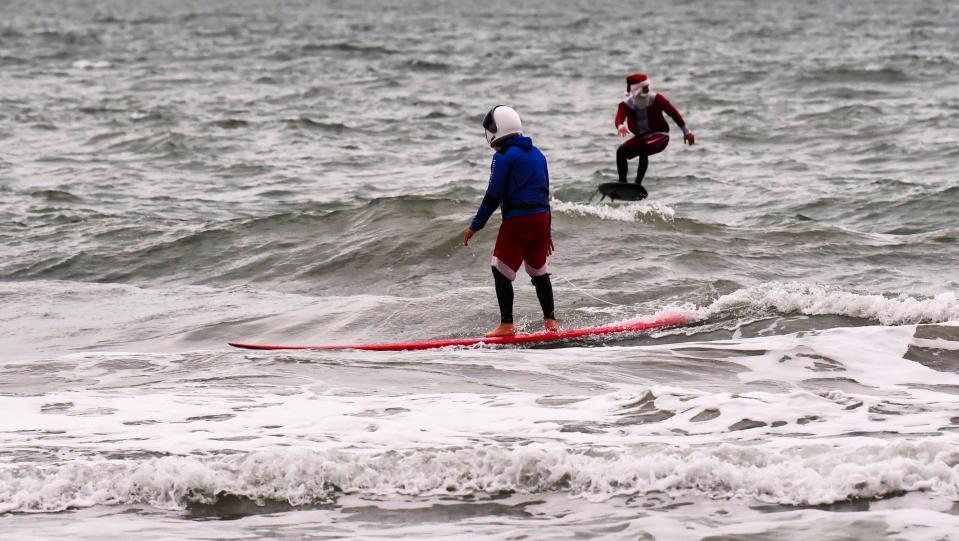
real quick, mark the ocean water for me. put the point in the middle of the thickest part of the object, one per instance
(176, 175)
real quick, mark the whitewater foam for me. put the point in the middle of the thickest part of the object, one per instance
(628, 212)
(816, 299)
(807, 475)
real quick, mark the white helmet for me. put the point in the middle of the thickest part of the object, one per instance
(501, 121)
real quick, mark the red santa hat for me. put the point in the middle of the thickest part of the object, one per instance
(637, 79)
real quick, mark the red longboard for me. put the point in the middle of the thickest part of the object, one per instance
(665, 321)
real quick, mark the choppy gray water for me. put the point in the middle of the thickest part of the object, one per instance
(175, 175)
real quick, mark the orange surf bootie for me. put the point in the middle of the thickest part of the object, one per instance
(505, 329)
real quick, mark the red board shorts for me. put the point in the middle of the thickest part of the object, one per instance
(653, 143)
(524, 239)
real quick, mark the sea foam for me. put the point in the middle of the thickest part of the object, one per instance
(816, 299)
(808, 475)
(629, 212)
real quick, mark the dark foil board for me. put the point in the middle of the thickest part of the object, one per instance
(624, 191)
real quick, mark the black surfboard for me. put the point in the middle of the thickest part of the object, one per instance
(625, 191)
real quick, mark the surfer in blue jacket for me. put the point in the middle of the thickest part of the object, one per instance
(519, 185)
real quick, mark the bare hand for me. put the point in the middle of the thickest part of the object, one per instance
(467, 236)
(549, 247)
(623, 131)
(689, 138)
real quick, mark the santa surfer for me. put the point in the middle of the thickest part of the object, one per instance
(641, 114)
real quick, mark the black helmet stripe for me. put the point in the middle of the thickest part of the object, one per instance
(489, 123)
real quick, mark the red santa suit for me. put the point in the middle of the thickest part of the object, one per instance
(645, 120)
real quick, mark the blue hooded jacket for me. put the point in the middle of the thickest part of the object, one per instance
(519, 182)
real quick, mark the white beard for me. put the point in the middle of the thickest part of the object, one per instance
(643, 100)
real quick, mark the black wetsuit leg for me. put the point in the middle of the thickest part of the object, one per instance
(641, 172)
(504, 295)
(544, 291)
(622, 164)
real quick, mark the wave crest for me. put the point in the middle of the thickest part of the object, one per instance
(629, 212)
(811, 475)
(815, 299)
